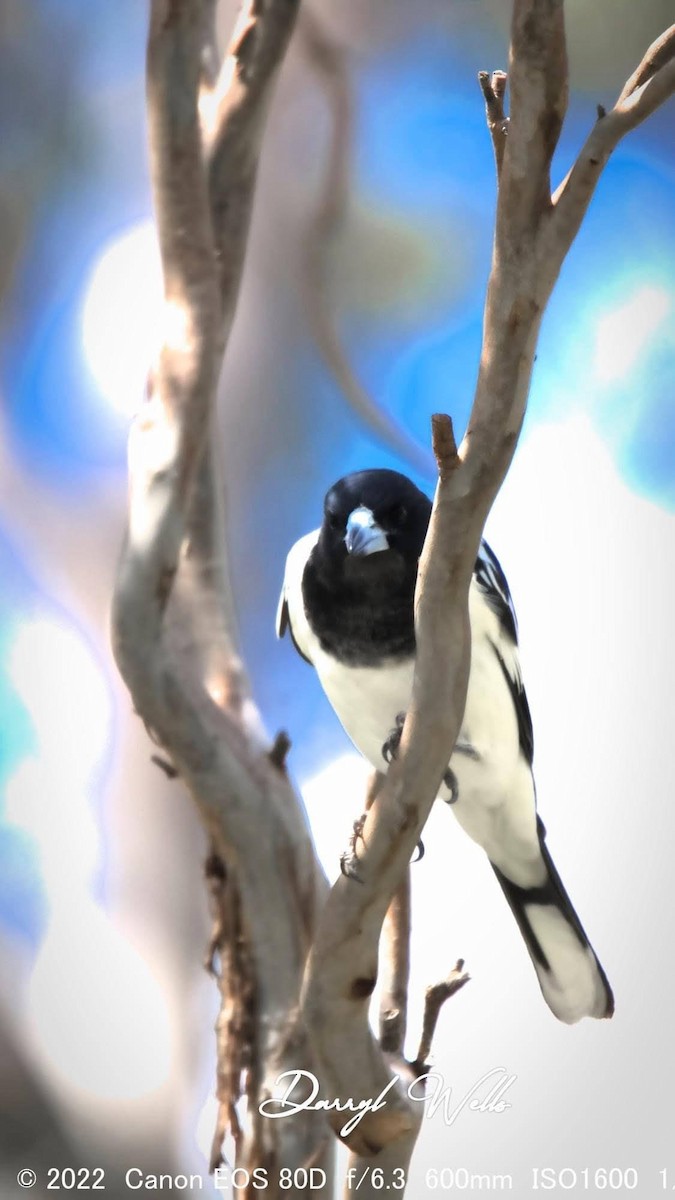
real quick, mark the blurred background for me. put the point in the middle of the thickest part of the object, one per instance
(106, 1050)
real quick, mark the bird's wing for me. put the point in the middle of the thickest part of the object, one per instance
(282, 619)
(491, 582)
(290, 609)
(511, 670)
(283, 623)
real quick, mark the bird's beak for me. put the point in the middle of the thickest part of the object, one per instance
(364, 535)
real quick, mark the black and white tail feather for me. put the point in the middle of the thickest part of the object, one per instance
(336, 617)
(570, 975)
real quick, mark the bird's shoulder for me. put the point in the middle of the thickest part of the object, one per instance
(290, 609)
(491, 582)
(494, 619)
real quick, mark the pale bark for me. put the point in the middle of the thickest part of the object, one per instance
(172, 619)
(186, 680)
(533, 234)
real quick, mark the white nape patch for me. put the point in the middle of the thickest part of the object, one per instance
(573, 987)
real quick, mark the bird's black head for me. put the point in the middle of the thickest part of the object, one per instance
(374, 525)
(358, 584)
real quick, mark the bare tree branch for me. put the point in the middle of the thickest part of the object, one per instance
(659, 55)
(244, 795)
(240, 102)
(396, 971)
(531, 242)
(229, 960)
(493, 87)
(205, 132)
(434, 1000)
(648, 87)
(538, 90)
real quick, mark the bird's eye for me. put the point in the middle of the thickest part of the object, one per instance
(333, 520)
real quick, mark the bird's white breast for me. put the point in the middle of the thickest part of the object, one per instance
(368, 700)
(496, 793)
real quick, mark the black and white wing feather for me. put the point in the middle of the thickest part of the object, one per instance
(491, 582)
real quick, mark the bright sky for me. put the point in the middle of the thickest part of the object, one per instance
(121, 316)
(624, 333)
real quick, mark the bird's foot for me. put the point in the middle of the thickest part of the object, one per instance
(450, 781)
(389, 752)
(350, 857)
(390, 747)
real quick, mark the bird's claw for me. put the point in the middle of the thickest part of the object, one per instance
(420, 850)
(348, 868)
(349, 857)
(390, 747)
(450, 781)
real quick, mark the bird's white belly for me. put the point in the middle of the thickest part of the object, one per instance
(495, 804)
(367, 701)
(495, 794)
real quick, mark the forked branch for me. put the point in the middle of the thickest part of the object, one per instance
(493, 87)
(534, 231)
(205, 129)
(648, 87)
(206, 126)
(436, 996)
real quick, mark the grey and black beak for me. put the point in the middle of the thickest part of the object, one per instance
(364, 535)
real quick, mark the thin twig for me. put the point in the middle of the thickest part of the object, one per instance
(434, 999)
(443, 444)
(659, 54)
(650, 85)
(280, 748)
(493, 88)
(395, 971)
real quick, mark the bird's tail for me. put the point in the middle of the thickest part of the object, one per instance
(571, 978)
